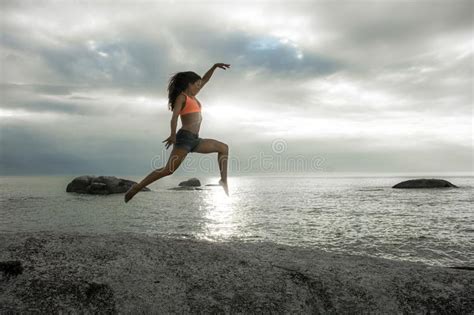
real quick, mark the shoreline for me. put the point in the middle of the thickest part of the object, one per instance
(130, 272)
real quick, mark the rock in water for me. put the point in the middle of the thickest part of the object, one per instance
(424, 183)
(192, 182)
(101, 185)
(185, 188)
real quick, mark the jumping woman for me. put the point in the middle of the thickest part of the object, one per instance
(182, 90)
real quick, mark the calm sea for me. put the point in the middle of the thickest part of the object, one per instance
(358, 215)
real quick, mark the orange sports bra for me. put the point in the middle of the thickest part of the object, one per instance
(190, 106)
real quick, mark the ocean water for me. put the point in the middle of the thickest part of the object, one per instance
(357, 215)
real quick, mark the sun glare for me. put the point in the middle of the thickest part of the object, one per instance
(220, 214)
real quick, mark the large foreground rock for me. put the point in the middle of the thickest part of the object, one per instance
(136, 274)
(101, 185)
(424, 183)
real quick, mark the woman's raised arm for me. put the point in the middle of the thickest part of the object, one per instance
(209, 73)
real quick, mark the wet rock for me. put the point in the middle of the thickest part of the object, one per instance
(424, 183)
(100, 185)
(185, 188)
(192, 182)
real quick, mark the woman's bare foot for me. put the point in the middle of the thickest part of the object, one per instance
(131, 192)
(224, 185)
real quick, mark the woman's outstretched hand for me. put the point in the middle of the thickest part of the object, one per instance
(169, 141)
(222, 65)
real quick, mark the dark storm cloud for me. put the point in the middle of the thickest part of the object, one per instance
(25, 151)
(138, 63)
(249, 51)
(280, 59)
(67, 147)
(130, 63)
(37, 99)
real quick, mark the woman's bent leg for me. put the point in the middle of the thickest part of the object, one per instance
(175, 159)
(222, 149)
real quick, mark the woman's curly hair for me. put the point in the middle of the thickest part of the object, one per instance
(178, 83)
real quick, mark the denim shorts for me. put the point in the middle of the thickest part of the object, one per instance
(187, 140)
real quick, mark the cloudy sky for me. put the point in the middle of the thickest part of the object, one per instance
(357, 86)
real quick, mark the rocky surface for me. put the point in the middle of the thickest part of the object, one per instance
(134, 273)
(100, 185)
(424, 183)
